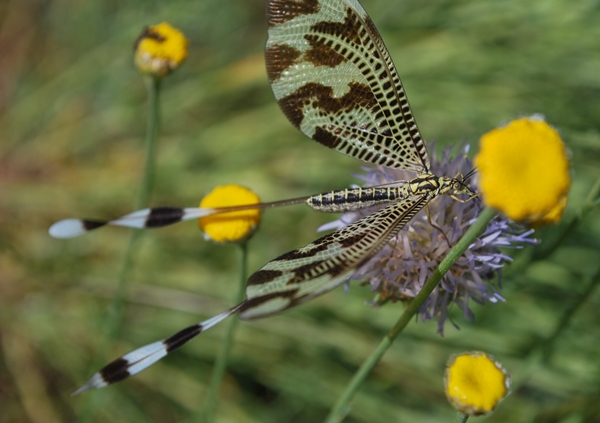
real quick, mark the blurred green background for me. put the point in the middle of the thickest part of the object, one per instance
(72, 123)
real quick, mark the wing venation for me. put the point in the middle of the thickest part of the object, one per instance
(334, 79)
(300, 275)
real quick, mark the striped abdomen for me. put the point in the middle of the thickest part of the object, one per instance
(352, 199)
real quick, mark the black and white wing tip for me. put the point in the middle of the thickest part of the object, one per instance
(70, 228)
(142, 358)
(126, 366)
(147, 218)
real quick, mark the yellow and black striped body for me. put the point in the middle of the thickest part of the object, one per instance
(352, 199)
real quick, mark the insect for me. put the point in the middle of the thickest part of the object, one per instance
(334, 80)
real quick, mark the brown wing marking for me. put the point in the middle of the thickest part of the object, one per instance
(324, 264)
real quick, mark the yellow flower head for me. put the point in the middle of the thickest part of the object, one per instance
(524, 171)
(233, 226)
(475, 382)
(160, 49)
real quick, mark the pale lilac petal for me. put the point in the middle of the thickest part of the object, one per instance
(401, 268)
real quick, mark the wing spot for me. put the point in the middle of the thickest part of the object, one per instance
(280, 12)
(280, 57)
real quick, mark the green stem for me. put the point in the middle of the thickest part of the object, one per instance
(548, 345)
(115, 312)
(210, 405)
(341, 407)
(153, 87)
(460, 417)
(541, 352)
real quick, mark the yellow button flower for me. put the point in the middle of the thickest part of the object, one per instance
(524, 171)
(160, 49)
(475, 382)
(233, 226)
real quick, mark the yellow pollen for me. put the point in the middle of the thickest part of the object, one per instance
(524, 171)
(475, 382)
(233, 226)
(160, 49)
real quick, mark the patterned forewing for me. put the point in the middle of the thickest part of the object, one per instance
(324, 264)
(334, 79)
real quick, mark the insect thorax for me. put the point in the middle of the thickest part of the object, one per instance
(432, 185)
(428, 183)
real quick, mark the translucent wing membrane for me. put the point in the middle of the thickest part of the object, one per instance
(156, 217)
(136, 361)
(334, 79)
(322, 265)
(147, 218)
(284, 282)
(333, 201)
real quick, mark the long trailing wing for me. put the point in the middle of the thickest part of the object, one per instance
(155, 217)
(303, 274)
(338, 201)
(288, 280)
(334, 80)
(142, 358)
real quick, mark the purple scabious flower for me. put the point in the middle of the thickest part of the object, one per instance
(401, 268)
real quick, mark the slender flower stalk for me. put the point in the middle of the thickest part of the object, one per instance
(115, 313)
(210, 404)
(235, 227)
(547, 345)
(538, 195)
(158, 51)
(399, 270)
(541, 351)
(341, 407)
(153, 87)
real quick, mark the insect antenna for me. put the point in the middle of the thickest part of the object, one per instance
(469, 174)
